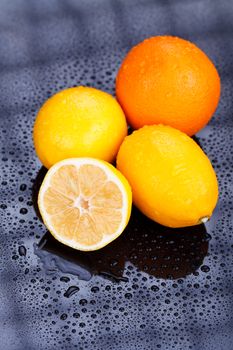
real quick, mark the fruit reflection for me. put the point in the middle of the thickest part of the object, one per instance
(154, 249)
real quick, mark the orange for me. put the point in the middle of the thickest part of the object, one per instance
(79, 122)
(85, 203)
(172, 180)
(168, 80)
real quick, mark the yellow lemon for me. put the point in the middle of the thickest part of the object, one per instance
(85, 203)
(79, 122)
(172, 179)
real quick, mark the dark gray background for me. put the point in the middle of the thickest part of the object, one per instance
(49, 45)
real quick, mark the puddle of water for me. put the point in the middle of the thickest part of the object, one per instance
(154, 249)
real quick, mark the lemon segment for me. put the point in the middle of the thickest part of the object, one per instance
(85, 203)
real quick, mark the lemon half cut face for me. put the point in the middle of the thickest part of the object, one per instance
(85, 203)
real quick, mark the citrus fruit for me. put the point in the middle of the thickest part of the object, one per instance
(172, 179)
(168, 80)
(85, 203)
(79, 122)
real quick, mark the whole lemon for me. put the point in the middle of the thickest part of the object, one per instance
(79, 122)
(168, 80)
(172, 179)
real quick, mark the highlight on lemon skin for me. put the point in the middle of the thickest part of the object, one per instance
(79, 122)
(85, 203)
(172, 180)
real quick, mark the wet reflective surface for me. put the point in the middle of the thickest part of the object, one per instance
(152, 288)
(158, 251)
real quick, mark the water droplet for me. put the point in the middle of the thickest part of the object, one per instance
(71, 291)
(154, 288)
(23, 211)
(128, 295)
(205, 268)
(22, 250)
(63, 317)
(23, 187)
(64, 279)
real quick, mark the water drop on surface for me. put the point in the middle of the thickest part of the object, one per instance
(205, 268)
(128, 295)
(63, 317)
(83, 302)
(23, 187)
(22, 250)
(23, 211)
(65, 279)
(71, 291)
(154, 288)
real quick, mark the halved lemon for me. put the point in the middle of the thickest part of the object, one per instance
(85, 203)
